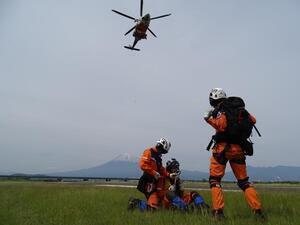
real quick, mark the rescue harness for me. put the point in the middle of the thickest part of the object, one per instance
(239, 125)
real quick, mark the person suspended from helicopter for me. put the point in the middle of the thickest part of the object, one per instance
(141, 26)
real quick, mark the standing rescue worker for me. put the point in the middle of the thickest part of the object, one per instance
(228, 148)
(152, 181)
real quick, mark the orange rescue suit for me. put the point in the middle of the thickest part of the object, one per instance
(236, 158)
(151, 164)
(220, 124)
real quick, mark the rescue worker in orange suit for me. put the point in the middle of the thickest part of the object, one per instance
(151, 182)
(176, 197)
(172, 195)
(222, 152)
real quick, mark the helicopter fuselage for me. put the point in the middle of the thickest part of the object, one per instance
(142, 27)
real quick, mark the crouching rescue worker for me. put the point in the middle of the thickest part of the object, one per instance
(171, 193)
(176, 197)
(233, 126)
(151, 183)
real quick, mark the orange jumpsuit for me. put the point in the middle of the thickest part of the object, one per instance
(237, 160)
(151, 164)
(187, 197)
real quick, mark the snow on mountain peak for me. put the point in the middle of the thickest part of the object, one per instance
(126, 157)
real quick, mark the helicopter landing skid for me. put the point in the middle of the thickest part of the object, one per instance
(131, 48)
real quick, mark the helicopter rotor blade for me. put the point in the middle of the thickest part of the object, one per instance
(141, 10)
(152, 32)
(157, 17)
(129, 31)
(122, 14)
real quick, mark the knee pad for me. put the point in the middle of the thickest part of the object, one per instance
(142, 205)
(179, 203)
(215, 181)
(194, 194)
(244, 183)
(198, 200)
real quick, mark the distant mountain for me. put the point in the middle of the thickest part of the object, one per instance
(127, 158)
(27, 174)
(126, 166)
(123, 166)
(277, 173)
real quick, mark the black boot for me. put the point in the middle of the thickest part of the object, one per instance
(259, 215)
(203, 208)
(133, 203)
(218, 214)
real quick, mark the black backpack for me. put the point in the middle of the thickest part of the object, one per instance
(239, 124)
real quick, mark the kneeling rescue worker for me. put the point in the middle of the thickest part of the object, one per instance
(233, 126)
(151, 182)
(172, 195)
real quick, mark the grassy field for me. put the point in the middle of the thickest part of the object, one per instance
(38, 203)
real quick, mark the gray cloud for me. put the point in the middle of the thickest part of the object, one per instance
(72, 97)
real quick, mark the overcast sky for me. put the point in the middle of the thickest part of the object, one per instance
(72, 97)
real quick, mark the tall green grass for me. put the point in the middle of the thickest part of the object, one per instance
(35, 203)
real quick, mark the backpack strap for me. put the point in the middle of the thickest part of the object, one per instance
(257, 131)
(210, 143)
(155, 155)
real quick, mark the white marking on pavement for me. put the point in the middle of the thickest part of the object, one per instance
(131, 186)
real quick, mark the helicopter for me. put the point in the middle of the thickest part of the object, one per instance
(141, 26)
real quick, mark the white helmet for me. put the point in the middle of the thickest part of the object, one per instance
(217, 93)
(166, 145)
